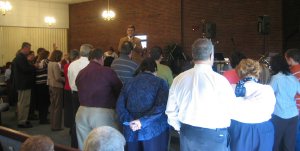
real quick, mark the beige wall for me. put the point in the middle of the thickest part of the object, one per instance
(11, 39)
(25, 22)
(26, 13)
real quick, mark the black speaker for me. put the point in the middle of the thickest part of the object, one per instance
(210, 30)
(264, 24)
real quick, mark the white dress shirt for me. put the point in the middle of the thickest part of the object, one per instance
(256, 106)
(200, 97)
(74, 69)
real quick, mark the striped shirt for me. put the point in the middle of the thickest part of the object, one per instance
(295, 70)
(124, 67)
(41, 72)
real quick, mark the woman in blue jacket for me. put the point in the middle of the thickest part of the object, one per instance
(141, 110)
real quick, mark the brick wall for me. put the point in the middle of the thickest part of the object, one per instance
(236, 22)
(291, 24)
(159, 20)
(173, 20)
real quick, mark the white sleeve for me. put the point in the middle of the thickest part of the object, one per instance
(7, 74)
(259, 105)
(173, 109)
(70, 77)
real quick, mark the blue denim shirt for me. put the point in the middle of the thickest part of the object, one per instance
(144, 97)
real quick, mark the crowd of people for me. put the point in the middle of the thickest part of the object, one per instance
(248, 108)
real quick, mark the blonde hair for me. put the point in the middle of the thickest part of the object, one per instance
(265, 74)
(248, 68)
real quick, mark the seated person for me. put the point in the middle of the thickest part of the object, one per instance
(104, 138)
(38, 143)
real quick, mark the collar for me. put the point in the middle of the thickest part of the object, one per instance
(84, 58)
(203, 66)
(94, 62)
(129, 37)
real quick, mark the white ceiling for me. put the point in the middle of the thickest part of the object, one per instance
(63, 1)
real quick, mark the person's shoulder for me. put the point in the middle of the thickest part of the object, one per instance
(165, 67)
(229, 72)
(73, 64)
(295, 68)
(220, 79)
(107, 69)
(184, 75)
(218, 75)
(129, 61)
(276, 76)
(267, 89)
(281, 77)
(123, 38)
(50, 63)
(20, 56)
(163, 83)
(66, 66)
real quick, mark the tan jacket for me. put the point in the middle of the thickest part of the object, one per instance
(137, 51)
(55, 78)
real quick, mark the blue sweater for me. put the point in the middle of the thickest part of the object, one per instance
(144, 97)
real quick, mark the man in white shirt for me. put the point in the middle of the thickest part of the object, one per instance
(199, 103)
(73, 70)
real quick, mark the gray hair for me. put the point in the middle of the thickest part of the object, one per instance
(38, 143)
(202, 49)
(85, 50)
(104, 138)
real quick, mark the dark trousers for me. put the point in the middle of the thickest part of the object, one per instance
(158, 143)
(203, 139)
(76, 104)
(298, 136)
(68, 109)
(33, 102)
(251, 137)
(285, 133)
(43, 99)
(12, 93)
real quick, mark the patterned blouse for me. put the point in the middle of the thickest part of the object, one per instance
(144, 97)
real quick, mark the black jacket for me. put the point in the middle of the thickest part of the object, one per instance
(23, 72)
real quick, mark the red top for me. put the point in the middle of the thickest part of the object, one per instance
(67, 85)
(231, 76)
(295, 70)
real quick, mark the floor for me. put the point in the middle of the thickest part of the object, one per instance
(9, 120)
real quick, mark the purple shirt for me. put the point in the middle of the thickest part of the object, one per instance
(98, 86)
